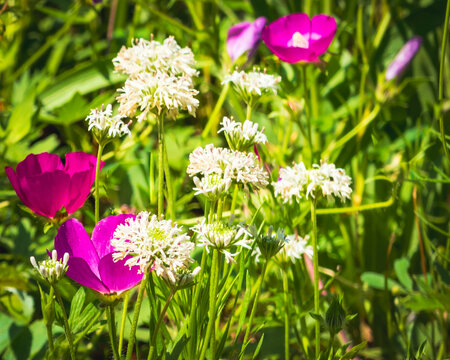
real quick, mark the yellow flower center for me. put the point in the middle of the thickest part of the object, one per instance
(299, 41)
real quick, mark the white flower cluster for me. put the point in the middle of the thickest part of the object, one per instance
(222, 167)
(104, 121)
(241, 136)
(159, 78)
(294, 248)
(153, 244)
(212, 185)
(252, 83)
(297, 181)
(181, 278)
(222, 237)
(52, 270)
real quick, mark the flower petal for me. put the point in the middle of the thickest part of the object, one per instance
(244, 36)
(280, 32)
(322, 33)
(80, 271)
(38, 164)
(73, 239)
(45, 193)
(104, 231)
(15, 184)
(117, 276)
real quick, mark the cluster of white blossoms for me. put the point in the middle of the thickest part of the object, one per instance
(181, 278)
(241, 136)
(53, 269)
(254, 83)
(223, 167)
(160, 78)
(222, 236)
(104, 121)
(212, 186)
(294, 247)
(153, 244)
(325, 179)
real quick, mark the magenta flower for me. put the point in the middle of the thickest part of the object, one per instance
(403, 58)
(45, 185)
(90, 261)
(295, 37)
(245, 36)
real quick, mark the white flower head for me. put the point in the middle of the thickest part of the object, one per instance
(294, 248)
(103, 121)
(241, 136)
(157, 92)
(212, 186)
(152, 56)
(251, 84)
(181, 278)
(222, 236)
(53, 269)
(324, 179)
(231, 165)
(153, 244)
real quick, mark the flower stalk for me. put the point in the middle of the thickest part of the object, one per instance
(112, 330)
(316, 274)
(67, 330)
(122, 322)
(97, 187)
(160, 166)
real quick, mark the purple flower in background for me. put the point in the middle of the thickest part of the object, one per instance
(295, 37)
(45, 185)
(90, 262)
(245, 36)
(403, 58)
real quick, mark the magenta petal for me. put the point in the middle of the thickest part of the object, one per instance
(73, 239)
(322, 33)
(117, 276)
(104, 231)
(244, 36)
(15, 184)
(38, 164)
(80, 271)
(79, 161)
(280, 32)
(45, 193)
(79, 188)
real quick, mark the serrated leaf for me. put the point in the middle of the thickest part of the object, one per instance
(401, 267)
(76, 306)
(87, 314)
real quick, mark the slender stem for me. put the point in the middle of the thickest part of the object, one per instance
(441, 81)
(48, 324)
(316, 273)
(97, 188)
(112, 330)
(220, 208)
(213, 119)
(160, 166)
(252, 313)
(170, 199)
(234, 199)
(66, 323)
(307, 112)
(210, 335)
(137, 309)
(122, 322)
(286, 314)
(248, 115)
(158, 324)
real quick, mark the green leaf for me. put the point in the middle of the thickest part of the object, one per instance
(376, 281)
(353, 351)
(258, 347)
(74, 110)
(245, 304)
(420, 302)
(19, 123)
(76, 306)
(401, 267)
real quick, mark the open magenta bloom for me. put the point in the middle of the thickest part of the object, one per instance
(245, 36)
(403, 58)
(45, 185)
(90, 260)
(295, 37)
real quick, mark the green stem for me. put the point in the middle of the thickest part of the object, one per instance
(441, 81)
(158, 324)
(160, 166)
(220, 208)
(210, 334)
(112, 330)
(252, 313)
(307, 112)
(316, 273)
(248, 115)
(213, 119)
(48, 325)
(97, 188)
(170, 199)
(137, 309)
(286, 314)
(66, 323)
(122, 322)
(234, 200)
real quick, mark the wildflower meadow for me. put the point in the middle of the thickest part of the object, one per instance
(221, 179)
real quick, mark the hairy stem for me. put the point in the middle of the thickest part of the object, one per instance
(97, 187)
(122, 322)
(316, 273)
(112, 330)
(66, 323)
(160, 166)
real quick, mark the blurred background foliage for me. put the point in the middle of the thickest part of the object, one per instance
(385, 252)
